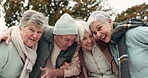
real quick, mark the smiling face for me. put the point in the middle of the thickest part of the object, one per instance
(31, 34)
(87, 42)
(101, 30)
(64, 41)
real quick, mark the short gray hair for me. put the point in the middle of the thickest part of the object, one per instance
(82, 27)
(100, 16)
(32, 16)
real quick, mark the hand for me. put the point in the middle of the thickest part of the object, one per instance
(49, 73)
(65, 65)
(5, 36)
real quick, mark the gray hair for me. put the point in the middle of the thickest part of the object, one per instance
(82, 27)
(32, 16)
(98, 16)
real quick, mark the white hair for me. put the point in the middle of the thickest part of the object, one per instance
(32, 16)
(98, 16)
(82, 27)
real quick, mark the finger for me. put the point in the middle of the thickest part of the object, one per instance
(67, 64)
(43, 69)
(45, 75)
(48, 77)
(8, 40)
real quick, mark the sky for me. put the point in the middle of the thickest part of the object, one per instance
(119, 5)
(122, 5)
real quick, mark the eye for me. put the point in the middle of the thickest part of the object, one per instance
(84, 38)
(39, 32)
(99, 28)
(94, 33)
(32, 30)
(67, 40)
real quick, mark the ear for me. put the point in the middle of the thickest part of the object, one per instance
(21, 28)
(109, 21)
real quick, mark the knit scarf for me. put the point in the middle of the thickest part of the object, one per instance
(28, 55)
(118, 37)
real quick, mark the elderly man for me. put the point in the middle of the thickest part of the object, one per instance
(56, 47)
(18, 58)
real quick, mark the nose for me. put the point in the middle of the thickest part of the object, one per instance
(98, 34)
(89, 40)
(70, 43)
(35, 34)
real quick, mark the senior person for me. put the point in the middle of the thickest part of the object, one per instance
(56, 47)
(17, 58)
(127, 42)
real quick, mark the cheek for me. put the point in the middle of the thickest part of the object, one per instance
(39, 36)
(83, 44)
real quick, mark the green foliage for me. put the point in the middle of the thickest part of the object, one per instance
(138, 11)
(50, 8)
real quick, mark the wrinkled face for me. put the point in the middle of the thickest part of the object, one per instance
(101, 30)
(87, 42)
(64, 41)
(31, 34)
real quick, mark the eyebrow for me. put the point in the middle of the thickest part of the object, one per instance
(98, 25)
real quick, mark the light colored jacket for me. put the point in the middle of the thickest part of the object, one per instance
(11, 64)
(137, 49)
(97, 64)
(137, 46)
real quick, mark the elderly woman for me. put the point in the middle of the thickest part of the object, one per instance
(95, 61)
(127, 42)
(18, 58)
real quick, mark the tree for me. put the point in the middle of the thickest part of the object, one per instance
(138, 11)
(53, 9)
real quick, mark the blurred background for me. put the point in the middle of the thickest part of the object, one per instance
(120, 10)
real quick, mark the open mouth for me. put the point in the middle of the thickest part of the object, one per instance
(33, 39)
(103, 36)
(89, 44)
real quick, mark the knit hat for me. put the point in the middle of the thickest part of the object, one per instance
(65, 26)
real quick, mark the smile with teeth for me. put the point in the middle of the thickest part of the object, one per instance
(89, 44)
(102, 36)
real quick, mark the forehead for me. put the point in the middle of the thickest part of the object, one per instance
(33, 25)
(68, 36)
(86, 33)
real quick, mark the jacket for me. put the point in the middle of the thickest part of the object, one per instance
(11, 64)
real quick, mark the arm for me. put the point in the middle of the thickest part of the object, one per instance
(137, 36)
(3, 55)
(74, 68)
(6, 34)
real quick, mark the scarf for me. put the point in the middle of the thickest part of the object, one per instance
(118, 37)
(28, 55)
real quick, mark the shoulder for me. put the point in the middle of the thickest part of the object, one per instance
(137, 33)
(4, 53)
(48, 29)
(48, 33)
(5, 49)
